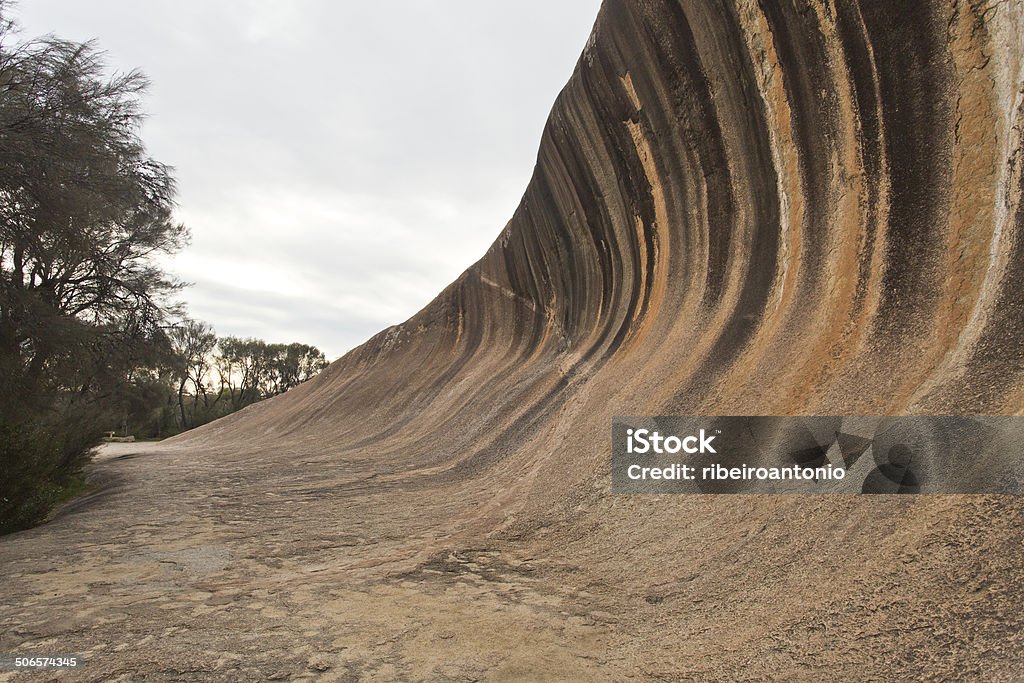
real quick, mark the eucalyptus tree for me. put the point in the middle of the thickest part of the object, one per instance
(83, 212)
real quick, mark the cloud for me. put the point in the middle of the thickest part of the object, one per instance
(338, 163)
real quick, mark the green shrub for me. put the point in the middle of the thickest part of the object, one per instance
(39, 466)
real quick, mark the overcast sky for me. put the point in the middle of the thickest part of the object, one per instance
(340, 162)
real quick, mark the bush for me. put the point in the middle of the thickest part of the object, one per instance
(38, 466)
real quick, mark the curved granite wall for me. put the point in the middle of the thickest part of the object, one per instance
(738, 208)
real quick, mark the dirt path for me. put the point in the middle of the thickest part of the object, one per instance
(187, 573)
(191, 565)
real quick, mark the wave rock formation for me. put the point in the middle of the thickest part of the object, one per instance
(745, 208)
(738, 207)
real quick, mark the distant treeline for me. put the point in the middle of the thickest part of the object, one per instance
(88, 338)
(213, 376)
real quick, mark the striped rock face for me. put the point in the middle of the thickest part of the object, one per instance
(739, 208)
(773, 208)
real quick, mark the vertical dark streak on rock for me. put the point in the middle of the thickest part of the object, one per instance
(798, 42)
(852, 33)
(915, 82)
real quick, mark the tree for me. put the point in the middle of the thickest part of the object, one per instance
(240, 365)
(251, 369)
(173, 387)
(193, 344)
(293, 364)
(83, 211)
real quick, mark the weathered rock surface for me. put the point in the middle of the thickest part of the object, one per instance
(738, 208)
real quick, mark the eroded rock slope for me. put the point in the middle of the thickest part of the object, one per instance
(738, 208)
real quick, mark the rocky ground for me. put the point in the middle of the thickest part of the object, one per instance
(738, 208)
(180, 566)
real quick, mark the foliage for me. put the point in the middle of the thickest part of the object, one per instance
(251, 369)
(193, 344)
(217, 376)
(87, 343)
(83, 210)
